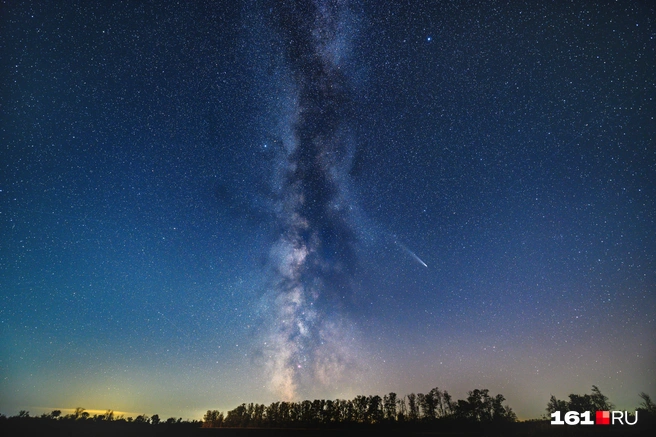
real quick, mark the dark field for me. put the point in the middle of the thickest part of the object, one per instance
(46, 427)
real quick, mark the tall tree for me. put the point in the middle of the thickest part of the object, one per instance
(360, 406)
(413, 408)
(448, 403)
(600, 401)
(501, 413)
(402, 409)
(429, 403)
(374, 410)
(647, 404)
(389, 406)
(212, 419)
(556, 405)
(580, 403)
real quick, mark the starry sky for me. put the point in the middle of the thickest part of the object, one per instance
(210, 203)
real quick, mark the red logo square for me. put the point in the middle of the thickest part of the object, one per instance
(603, 418)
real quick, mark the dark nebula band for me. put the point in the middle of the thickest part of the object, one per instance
(313, 257)
(309, 30)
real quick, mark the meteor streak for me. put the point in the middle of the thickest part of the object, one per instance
(411, 253)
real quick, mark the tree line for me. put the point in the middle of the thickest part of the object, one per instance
(80, 423)
(81, 415)
(419, 412)
(436, 405)
(597, 401)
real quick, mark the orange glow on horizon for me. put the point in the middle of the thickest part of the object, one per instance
(92, 412)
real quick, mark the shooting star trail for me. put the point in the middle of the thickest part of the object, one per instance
(411, 253)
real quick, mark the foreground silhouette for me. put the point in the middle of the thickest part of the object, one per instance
(430, 414)
(436, 405)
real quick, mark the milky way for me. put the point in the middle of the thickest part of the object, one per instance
(313, 257)
(204, 204)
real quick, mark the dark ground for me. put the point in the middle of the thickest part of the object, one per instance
(39, 427)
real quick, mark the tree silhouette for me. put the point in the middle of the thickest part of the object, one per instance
(448, 403)
(402, 410)
(360, 405)
(375, 410)
(647, 405)
(556, 405)
(236, 417)
(142, 418)
(479, 406)
(78, 413)
(330, 412)
(600, 401)
(389, 407)
(581, 403)
(431, 404)
(212, 419)
(413, 408)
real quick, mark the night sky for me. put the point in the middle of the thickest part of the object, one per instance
(210, 203)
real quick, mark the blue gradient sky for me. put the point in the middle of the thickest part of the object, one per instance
(148, 216)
